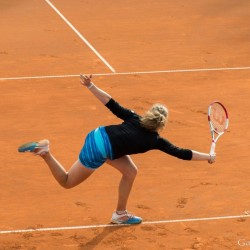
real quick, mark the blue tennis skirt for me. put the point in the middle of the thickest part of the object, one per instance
(96, 150)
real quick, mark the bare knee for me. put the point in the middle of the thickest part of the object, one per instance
(75, 176)
(65, 183)
(68, 184)
(131, 173)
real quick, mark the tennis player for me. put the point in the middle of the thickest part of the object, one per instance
(113, 144)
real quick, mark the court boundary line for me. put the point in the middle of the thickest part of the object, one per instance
(246, 215)
(80, 36)
(127, 73)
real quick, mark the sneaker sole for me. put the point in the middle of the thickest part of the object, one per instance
(27, 147)
(128, 222)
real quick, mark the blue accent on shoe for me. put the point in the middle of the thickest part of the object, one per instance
(27, 147)
(133, 220)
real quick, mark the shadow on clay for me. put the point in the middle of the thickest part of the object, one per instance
(99, 238)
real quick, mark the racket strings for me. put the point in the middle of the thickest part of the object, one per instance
(218, 118)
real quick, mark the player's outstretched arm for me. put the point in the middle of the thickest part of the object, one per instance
(101, 95)
(198, 156)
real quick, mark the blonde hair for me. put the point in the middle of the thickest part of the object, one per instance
(155, 119)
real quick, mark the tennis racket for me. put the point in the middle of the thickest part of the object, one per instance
(218, 122)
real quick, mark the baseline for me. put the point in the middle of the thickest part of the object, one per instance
(122, 225)
(126, 73)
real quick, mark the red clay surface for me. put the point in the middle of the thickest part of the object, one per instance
(131, 36)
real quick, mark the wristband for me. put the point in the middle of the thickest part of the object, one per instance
(90, 86)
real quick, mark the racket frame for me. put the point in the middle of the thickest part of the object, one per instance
(213, 130)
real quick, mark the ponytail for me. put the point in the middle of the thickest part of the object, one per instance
(155, 119)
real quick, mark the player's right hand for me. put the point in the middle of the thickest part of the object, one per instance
(85, 80)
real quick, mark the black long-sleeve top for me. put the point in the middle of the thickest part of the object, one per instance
(130, 137)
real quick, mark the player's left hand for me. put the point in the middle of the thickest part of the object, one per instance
(212, 158)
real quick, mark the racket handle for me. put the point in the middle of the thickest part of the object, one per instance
(212, 149)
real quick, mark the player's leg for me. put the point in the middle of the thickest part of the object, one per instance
(128, 169)
(76, 174)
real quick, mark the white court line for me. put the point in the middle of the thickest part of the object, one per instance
(126, 73)
(80, 35)
(120, 225)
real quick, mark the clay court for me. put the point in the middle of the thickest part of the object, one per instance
(184, 54)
